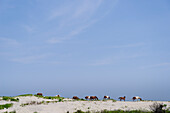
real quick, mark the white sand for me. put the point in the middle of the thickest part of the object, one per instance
(72, 106)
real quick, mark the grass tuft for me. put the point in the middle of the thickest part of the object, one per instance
(50, 97)
(10, 98)
(25, 95)
(6, 106)
(116, 111)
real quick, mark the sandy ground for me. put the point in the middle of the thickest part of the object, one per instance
(72, 106)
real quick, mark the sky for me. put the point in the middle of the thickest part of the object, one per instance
(85, 47)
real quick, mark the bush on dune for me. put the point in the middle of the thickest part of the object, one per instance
(25, 95)
(10, 98)
(6, 106)
(116, 111)
(113, 100)
(10, 112)
(39, 96)
(49, 97)
(158, 108)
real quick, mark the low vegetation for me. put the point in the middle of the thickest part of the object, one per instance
(10, 99)
(147, 100)
(24, 95)
(37, 103)
(6, 106)
(113, 100)
(32, 103)
(10, 112)
(53, 97)
(50, 97)
(159, 108)
(79, 99)
(116, 111)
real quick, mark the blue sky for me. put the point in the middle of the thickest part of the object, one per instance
(85, 47)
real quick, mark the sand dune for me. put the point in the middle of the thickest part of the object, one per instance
(52, 106)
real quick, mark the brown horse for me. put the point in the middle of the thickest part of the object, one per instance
(122, 98)
(93, 98)
(57, 95)
(75, 97)
(39, 94)
(134, 98)
(106, 97)
(87, 97)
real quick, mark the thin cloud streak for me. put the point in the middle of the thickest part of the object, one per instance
(29, 59)
(113, 59)
(102, 62)
(128, 45)
(78, 18)
(156, 65)
(28, 28)
(71, 34)
(54, 41)
(7, 42)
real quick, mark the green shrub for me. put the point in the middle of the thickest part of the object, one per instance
(121, 111)
(12, 112)
(6, 98)
(10, 98)
(60, 100)
(39, 96)
(25, 95)
(113, 100)
(116, 111)
(79, 111)
(165, 105)
(49, 97)
(13, 99)
(5, 106)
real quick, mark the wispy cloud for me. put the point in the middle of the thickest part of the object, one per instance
(29, 59)
(127, 45)
(7, 42)
(76, 17)
(55, 40)
(114, 59)
(71, 34)
(28, 28)
(101, 62)
(156, 65)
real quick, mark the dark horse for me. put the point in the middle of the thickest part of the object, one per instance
(93, 98)
(87, 97)
(134, 98)
(122, 98)
(39, 94)
(75, 97)
(106, 97)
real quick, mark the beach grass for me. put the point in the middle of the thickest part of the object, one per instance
(50, 97)
(6, 106)
(113, 100)
(10, 98)
(116, 111)
(10, 112)
(24, 95)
